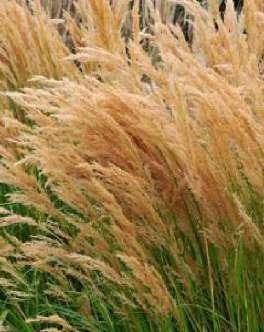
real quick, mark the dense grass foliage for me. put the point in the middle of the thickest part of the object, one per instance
(131, 173)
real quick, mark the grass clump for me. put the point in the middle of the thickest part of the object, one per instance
(131, 167)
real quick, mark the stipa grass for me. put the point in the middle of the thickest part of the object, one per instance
(132, 169)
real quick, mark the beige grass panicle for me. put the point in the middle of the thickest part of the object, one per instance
(135, 140)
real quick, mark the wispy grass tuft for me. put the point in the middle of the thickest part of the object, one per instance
(131, 166)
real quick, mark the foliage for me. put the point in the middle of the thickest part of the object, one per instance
(131, 167)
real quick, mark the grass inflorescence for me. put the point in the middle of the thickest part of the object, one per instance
(131, 166)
